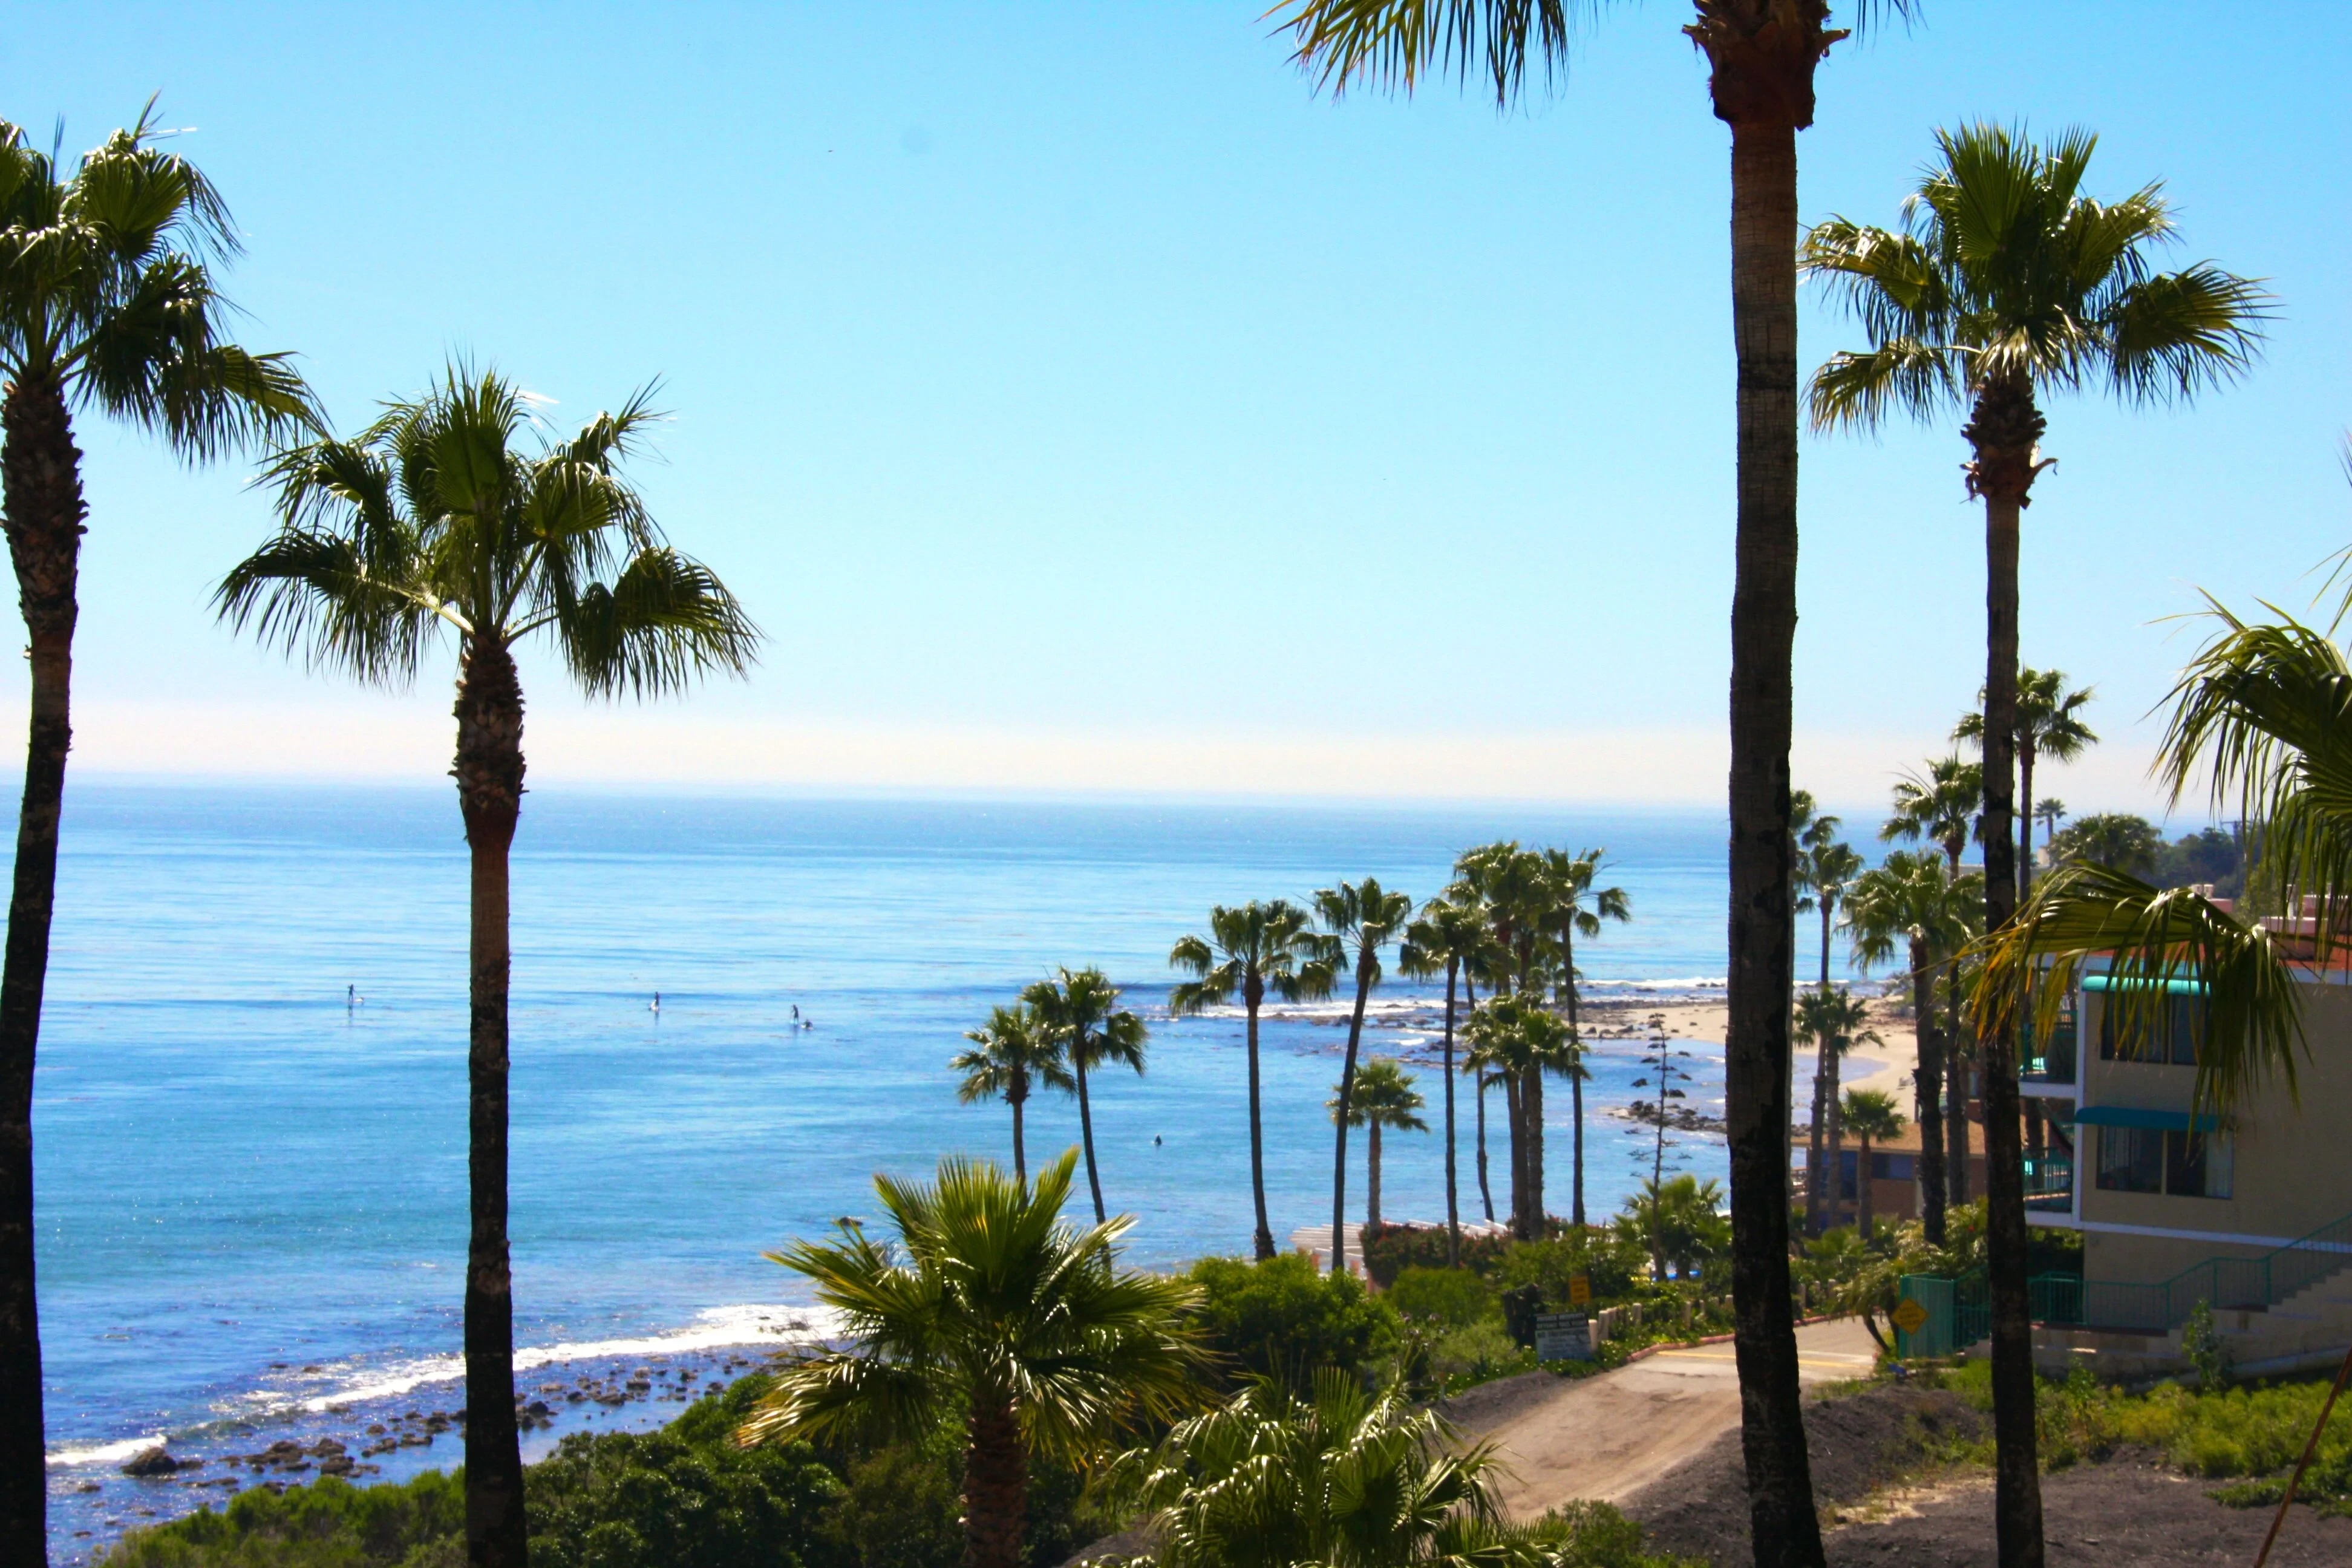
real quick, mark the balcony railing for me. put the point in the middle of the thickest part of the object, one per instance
(2050, 1182)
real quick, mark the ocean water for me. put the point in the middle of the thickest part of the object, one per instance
(252, 1201)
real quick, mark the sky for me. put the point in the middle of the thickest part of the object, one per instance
(1083, 403)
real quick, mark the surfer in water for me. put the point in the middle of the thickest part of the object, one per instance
(655, 1008)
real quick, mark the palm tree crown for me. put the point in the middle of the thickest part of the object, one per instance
(991, 1309)
(2004, 271)
(434, 517)
(1939, 805)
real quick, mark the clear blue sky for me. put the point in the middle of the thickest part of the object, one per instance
(1082, 402)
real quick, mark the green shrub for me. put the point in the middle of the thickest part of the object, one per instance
(1454, 1297)
(1476, 1355)
(1391, 1250)
(1284, 1317)
(329, 1524)
(1611, 1264)
(1584, 1534)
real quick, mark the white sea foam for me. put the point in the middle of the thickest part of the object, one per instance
(106, 1453)
(719, 1328)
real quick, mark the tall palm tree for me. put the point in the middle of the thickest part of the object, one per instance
(1385, 1099)
(2048, 725)
(1518, 1039)
(1512, 887)
(1248, 952)
(1092, 1030)
(432, 519)
(1578, 909)
(1356, 920)
(2005, 282)
(1911, 903)
(109, 302)
(1826, 865)
(2050, 812)
(1450, 938)
(991, 1310)
(1833, 1023)
(1761, 56)
(1870, 1114)
(1943, 806)
(1012, 1055)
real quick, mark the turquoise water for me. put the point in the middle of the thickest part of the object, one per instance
(242, 1176)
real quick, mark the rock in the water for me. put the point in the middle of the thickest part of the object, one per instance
(150, 1462)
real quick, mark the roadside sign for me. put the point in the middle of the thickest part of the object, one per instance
(1563, 1336)
(1579, 1291)
(1910, 1317)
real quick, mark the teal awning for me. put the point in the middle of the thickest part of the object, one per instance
(2107, 982)
(2147, 1120)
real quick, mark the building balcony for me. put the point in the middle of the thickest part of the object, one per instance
(2048, 1062)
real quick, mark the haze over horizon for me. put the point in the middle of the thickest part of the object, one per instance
(1085, 404)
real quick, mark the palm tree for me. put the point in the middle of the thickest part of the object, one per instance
(2116, 839)
(1942, 806)
(1577, 908)
(1452, 938)
(108, 301)
(2049, 725)
(434, 517)
(2050, 813)
(1092, 1030)
(1518, 1039)
(1870, 1114)
(1761, 56)
(1512, 888)
(1825, 866)
(1833, 1023)
(1013, 1055)
(991, 1310)
(1384, 1098)
(1343, 1476)
(1357, 919)
(1248, 952)
(1912, 902)
(2006, 282)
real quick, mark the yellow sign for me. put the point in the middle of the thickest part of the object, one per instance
(1910, 1317)
(1579, 1291)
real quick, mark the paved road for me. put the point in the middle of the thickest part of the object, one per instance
(1607, 1436)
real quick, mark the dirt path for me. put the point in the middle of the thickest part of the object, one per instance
(1609, 1436)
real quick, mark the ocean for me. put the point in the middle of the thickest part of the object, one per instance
(250, 1109)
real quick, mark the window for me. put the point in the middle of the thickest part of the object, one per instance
(2131, 1159)
(1891, 1167)
(2175, 1041)
(2179, 1164)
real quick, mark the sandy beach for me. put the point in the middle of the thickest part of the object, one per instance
(1886, 1066)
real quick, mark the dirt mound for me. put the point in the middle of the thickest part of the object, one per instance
(1856, 1445)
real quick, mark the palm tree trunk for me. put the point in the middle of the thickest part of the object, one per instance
(1020, 1154)
(1347, 1102)
(1485, 1190)
(1956, 1094)
(1371, 1180)
(1262, 1242)
(489, 796)
(1531, 1101)
(1927, 1095)
(1576, 1104)
(2024, 819)
(1863, 1217)
(1816, 1147)
(1452, 1206)
(1835, 1136)
(995, 1486)
(2005, 431)
(1763, 53)
(1514, 1119)
(1828, 902)
(1575, 1079)
(1087, 1135)
(41, 470)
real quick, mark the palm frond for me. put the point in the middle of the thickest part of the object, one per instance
(2176, 334)
(1392, 45)
(2252, 1018)
(664, 621)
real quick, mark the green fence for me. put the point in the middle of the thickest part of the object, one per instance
(1953, 1314)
